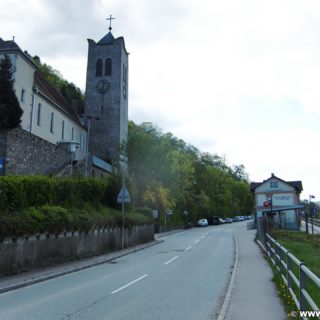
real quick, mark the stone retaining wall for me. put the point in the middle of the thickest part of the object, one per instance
(17, 255)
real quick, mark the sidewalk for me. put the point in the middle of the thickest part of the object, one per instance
(24, 279)
(253, 294)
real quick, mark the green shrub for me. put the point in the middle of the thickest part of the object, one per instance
(12, 196)
(34, 204)
(56, 219)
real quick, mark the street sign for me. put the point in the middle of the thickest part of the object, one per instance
(155, 214)
(266, 204)
(169, 212)
(123, 195)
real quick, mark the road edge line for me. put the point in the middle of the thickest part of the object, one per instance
(227, 299)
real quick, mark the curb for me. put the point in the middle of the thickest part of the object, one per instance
(76, 269)
(227, 299)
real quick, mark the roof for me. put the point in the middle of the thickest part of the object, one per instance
(297, 185)
(45, 88)
(10, 46)
(107, 39)
(54, 95)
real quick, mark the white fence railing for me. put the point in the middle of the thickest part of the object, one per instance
(286, 262)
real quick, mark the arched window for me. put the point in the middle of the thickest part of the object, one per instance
(108, 69)
(99, 68)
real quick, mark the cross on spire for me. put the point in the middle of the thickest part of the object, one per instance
(110, 19)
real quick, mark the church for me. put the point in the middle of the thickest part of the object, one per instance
(54, 139)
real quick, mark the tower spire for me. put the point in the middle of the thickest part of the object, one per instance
(110, 19)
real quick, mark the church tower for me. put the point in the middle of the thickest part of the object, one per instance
(106, 105)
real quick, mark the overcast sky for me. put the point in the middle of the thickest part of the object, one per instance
(236, 78)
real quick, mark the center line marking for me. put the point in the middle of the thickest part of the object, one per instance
(129, 284)
(172, 259)
(187, 249)
(196, 242)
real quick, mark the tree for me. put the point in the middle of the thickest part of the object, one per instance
(10, 109)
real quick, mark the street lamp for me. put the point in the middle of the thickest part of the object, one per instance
(87, 144)
(310, 210)
(72, 149)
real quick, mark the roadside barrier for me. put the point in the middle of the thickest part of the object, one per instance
(286, 262)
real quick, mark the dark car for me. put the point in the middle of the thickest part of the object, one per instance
(213, 220)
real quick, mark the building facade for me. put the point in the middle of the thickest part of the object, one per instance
(46, 113)
(279, 199)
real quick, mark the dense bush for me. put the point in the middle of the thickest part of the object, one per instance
(32, 205)
(22, 192)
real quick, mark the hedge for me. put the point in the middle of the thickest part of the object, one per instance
(18, 192)
(33, 205)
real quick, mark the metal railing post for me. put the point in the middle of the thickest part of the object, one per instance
(302, 285)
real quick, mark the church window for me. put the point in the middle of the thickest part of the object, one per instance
(72, 134)
(81, 140)
(39, 114)
(22, 95)
(108, 67)
(125, 73)
(52, 123)
(62, 130)
(99, 68)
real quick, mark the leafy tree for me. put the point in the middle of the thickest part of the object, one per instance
(165, 172)
(10, 109)
(54, 77)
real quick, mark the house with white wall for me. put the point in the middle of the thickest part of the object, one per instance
(46, 113)
(278, 199)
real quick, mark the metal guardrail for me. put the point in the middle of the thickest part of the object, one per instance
(284, 261)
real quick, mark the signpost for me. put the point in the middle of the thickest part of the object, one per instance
(123, 196)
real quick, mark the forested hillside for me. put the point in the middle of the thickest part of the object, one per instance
(167, 173)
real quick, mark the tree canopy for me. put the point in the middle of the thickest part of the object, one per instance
(10, 109)
(167, 173)
(68, 89)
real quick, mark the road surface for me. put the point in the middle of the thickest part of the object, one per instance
(185, 277)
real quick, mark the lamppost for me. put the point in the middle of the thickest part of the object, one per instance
(310, 210)
(72, 149)
(306, 215)
(87, 144)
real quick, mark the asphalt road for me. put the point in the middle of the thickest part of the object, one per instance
(184, 277)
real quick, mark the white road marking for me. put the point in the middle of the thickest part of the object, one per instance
(129, 284)
(187, 249)
(196, 242)
(172, 259)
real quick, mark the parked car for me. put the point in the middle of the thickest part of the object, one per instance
(238, 218)
(213, 220)
(202, 223)
(221, 221)
(228, 220)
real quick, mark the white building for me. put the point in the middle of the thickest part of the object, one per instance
(279, 199)
(46, 113)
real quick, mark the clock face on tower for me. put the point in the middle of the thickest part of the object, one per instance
(103, 86)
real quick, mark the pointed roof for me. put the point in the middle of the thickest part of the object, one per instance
(107, 39)
(297, 185)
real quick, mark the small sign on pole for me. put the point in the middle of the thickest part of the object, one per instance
(123, 195)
